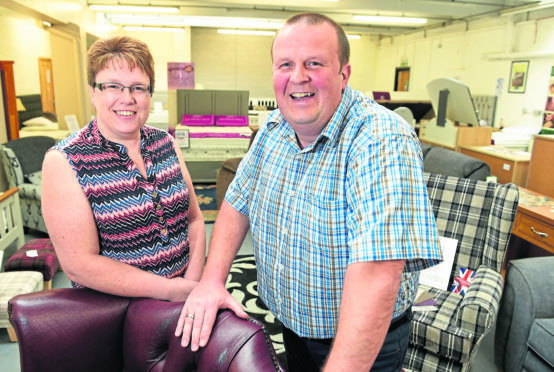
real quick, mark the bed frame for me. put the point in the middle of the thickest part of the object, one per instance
(33, 107)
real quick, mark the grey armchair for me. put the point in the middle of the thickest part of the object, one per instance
(524, 339)
(480, 216)
(22, 159)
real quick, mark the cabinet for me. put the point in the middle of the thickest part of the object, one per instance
(507, 165)
(541, 177)
(10, 100)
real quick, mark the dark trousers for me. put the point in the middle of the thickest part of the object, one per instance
(309, 355)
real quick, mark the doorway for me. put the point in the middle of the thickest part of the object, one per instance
(46, 85)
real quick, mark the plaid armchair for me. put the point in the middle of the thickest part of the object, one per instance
(22, 159)
(480, 216)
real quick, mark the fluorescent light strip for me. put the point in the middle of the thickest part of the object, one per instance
(246, 32)
(163, 29)
(390, 20)
(352, 37)
(129, 8)
(194, 21)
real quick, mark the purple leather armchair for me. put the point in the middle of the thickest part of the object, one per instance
(83, 330)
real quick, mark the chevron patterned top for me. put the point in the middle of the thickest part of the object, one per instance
(141, 221)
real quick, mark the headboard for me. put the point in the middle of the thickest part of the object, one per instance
(33, 107)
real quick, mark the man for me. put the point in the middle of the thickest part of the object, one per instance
(333, 191)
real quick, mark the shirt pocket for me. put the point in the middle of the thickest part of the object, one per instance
(325, 222)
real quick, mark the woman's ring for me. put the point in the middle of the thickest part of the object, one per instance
(190, 316)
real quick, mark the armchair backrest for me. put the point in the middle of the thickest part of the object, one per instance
(80, 329)
(478, 214)
(24, 156)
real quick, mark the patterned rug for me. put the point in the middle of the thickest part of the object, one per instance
(206, 196)
(243, 286)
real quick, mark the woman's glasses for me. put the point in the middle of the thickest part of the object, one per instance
(117, 88)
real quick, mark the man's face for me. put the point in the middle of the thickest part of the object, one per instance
(307, 78)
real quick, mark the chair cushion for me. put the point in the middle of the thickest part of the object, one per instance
(30, 151)
(14, 283)
(45, 261)
(541, 340)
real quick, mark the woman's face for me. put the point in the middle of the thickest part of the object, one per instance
(120, 115)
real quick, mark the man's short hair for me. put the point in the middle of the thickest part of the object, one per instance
(317, 19)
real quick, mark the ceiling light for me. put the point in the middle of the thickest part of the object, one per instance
(390, 20)
(135, 9)
(246, 32)
(163, 29)
(194, 21)
(352, 37)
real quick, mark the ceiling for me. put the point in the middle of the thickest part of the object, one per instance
(437, 12)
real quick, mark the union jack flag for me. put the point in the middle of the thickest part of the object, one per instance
(462, 281)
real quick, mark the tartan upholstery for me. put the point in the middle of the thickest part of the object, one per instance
(22, 158)
(14, 283)
(46, 261)
(480, 216)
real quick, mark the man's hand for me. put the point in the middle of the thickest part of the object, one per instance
(200, 310)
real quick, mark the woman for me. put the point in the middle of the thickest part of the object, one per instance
(117, 198)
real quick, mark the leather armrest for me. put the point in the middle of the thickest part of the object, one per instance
(69, 329)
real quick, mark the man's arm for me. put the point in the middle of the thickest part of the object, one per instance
(71, 226)
(210, 294)
(368, 298)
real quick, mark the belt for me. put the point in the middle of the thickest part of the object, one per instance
(400, 319)
(394, 324)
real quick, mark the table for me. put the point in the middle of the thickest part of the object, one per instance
(533, 230)
(509, 166)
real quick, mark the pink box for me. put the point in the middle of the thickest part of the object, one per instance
(198, 120)
(231, 121)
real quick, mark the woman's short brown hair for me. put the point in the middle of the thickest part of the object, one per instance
(117, 50)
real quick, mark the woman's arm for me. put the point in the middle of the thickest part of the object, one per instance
(197, 231)
(72, 229)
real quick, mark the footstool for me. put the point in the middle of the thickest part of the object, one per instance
(11, 285)
(35, 255)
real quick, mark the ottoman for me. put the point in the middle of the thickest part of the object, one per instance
(13, 284)
(35, 255)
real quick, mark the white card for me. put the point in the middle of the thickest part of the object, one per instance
(32, 253)
(438, 276)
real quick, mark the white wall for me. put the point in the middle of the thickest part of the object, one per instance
(479, 56)
(23, 41)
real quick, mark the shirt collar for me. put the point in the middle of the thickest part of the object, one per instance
(331, 131)
(93, 135)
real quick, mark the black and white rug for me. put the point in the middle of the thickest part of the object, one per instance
(243, 285)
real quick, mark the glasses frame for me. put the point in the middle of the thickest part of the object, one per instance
(130, 87)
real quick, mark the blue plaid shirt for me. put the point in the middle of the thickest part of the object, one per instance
(356, 194)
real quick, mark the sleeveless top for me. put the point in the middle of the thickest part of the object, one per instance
(141, 221)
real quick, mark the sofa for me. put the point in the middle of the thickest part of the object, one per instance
(524, 339)
(83, 330)
(439, 160)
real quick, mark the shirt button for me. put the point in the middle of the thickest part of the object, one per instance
(154, 193)
(158, 207)
(164, 231)
(161, 219)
